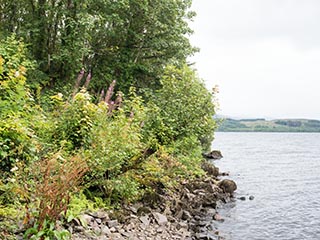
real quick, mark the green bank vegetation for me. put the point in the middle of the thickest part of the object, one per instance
(262, 125)
(97, 107)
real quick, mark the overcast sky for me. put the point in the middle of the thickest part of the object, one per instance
(263, 54)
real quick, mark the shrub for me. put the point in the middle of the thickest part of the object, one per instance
(183, 108)
(17, 138)
(72, 121)
(115, 145)
(55, 179)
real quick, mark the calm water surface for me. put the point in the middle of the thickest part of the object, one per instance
(282, 172)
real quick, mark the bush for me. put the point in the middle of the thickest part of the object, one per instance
(17, 138)
(72, 121)
(115, 145)
(183, 108)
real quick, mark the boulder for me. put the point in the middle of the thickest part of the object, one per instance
(228, 186)
(214, 154)
(210, 169)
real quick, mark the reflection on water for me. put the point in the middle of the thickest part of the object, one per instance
(282, 172)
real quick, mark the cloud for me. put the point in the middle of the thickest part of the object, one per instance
(236, 22)
(264, 55)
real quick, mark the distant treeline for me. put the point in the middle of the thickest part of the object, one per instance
(263, 125)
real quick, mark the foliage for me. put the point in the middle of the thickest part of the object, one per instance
(73, 121)
(115, 144)
(115, 148)
(17, 139)
(56, 178)
(183, 108)
(47, 232)
(130, 41)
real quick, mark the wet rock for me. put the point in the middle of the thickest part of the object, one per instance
(242, 198)
(215, 154)
(228, 186)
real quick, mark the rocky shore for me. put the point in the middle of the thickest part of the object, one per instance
(187, 212)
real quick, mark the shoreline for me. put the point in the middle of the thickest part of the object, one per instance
(187, 212)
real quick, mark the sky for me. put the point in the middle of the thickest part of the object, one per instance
(263, 54)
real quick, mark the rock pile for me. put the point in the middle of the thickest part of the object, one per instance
(188, 213)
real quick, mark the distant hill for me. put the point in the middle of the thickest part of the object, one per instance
(263, 125)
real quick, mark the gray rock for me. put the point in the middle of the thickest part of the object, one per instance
(105, 230)
(218, 217)
(112, 223)
(186, 215)
(242, 198)
(126, 234)
(160, 218)
(99, 214)
(78, 229)
(251, 197)
(183, 225)
(145, 220)
(102, 237)
(160, 230)
(116, 236)
(98, 220)
(86, 219)
(133, 209)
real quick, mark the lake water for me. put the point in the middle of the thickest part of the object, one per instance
(282, 172)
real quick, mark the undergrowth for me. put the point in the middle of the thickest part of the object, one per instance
(82, 151)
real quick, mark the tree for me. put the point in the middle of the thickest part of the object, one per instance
(127, 40)
(184, 108)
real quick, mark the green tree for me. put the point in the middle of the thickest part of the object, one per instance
(17, 116)
(182, 109)
(127, 40)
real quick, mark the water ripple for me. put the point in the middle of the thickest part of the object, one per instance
(282, 171)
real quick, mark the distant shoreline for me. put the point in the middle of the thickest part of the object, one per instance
(263, 125)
